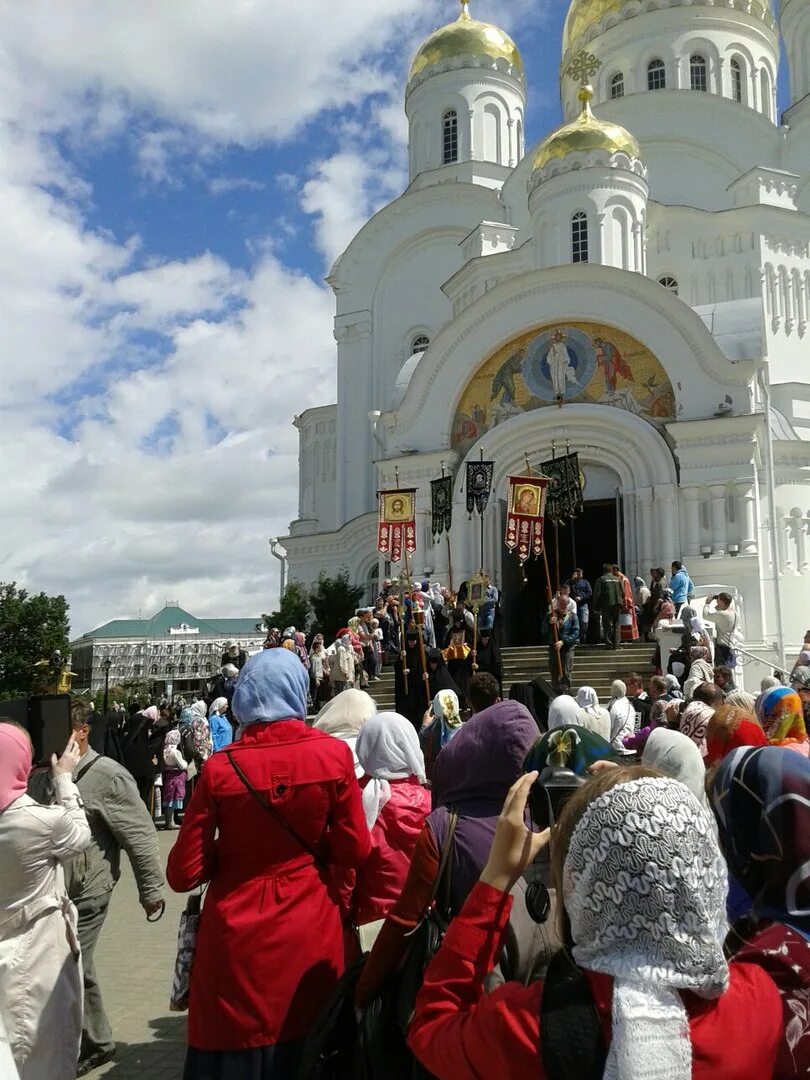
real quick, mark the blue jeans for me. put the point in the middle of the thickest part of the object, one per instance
(486, 616)
(584, 616)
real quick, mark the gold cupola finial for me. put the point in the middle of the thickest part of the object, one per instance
(582, 68)
(465, 11)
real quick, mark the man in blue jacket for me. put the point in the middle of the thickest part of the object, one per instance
(567, 623)
(681, 585)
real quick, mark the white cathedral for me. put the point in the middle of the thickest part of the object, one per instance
(661, 235)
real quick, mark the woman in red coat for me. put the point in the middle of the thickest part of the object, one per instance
(270, 818)
(396, 804)
(644, 888)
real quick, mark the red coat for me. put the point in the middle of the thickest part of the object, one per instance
(270, 947)
(458, 1033)
(393, 839)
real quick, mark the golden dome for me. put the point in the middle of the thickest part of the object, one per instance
(466, 37)
(584, 134)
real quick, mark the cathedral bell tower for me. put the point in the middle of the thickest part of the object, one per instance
(465, 102)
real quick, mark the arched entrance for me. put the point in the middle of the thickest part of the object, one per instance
(630, 493)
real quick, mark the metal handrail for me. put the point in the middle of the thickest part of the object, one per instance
(760, 660)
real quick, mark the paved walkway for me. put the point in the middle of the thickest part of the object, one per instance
(135, 962)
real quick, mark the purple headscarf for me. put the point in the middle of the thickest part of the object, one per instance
(473, 773)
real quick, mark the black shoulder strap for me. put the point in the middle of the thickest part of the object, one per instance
(443, 881)
(268, 806)
(570, 1030)
(86, 768)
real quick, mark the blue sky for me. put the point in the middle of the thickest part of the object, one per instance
(175, 181)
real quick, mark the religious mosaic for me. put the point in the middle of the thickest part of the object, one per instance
(552, 365)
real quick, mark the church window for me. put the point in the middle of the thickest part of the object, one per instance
(579, 237)
(450, 137)
(181, 669)
(736, 79)
(169, 669)
(698, 79)
(765, 89)
(617, 85)
(519, 136)
(153, 669)
(670, 283)
(419, 343)
(656, 75)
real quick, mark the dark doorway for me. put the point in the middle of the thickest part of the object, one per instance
(591, 540)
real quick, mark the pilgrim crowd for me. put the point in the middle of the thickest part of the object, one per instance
(475, 884)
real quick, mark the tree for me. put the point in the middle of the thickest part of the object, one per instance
(32, 628)
(294, 609)
(334, 600)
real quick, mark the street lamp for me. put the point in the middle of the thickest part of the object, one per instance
(106, 664)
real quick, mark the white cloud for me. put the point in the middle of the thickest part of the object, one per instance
(221, 185)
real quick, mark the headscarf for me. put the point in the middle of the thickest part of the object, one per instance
(622, 715)
(673, 686)
(675, 755)
(639, 582)
(699, 652)
(486, 757)
(346, 714)
(699, 672)
(186, 716)
(562, 712)
(800, 677)
(172, 738)
(230, 671)
(388, 749)
(742, 700)
(645, 889)
(694, 721)
(574, 746)
(152, 712)
(618, 689)
(199, 709)
(218, 705)
(16, 755)
(687, 614)
(447, 712)
(782, 717)
(273, 685)
(768, 683)
(588, 700)
(761, 797)
(729, 728)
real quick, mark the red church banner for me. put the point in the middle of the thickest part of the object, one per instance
(397, 525)
(526, 508)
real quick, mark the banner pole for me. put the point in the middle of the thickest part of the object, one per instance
(552, 618)
(419, 624)
(449, 556)
(402, 651)
(481, 516)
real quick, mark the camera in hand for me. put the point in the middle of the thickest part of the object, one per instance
(550, 792)
(46, 718)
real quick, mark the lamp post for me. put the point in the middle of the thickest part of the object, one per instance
(106, 664)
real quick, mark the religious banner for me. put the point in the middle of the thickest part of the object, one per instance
(479, 485)
(397, 523)
(441, 505)
(564, 489)
(525, 512)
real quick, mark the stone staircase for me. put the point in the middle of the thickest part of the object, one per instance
(594, 665)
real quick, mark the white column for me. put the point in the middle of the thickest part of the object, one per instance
(512, 150)
(470, 140)
(646, 530)
(666, 505)
(797, 529)
(690, 524)
(717, 493)
(600, 240)
(637, 242)
(746, 495)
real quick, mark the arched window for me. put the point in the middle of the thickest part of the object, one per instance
(656, 75)
(208, 669)
(698, 78)
(450, 137)
(579, 237)
(617, 85)
(736, 79)
(153, 669)
(181, 670)
(670, 283)
(169, 669)
(519, 137)
(419, 343)
(765, 92)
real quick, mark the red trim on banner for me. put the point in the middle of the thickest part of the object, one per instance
(526, 505)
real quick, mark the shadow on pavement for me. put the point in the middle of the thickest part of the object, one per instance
(161, 1057)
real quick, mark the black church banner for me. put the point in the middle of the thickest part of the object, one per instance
(441, 505)
(479, 485)
(564, 499)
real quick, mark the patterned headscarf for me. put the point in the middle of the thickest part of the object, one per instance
(782, 717)
(761, 797)
(645, 887)
(729, 728)
(694, 721)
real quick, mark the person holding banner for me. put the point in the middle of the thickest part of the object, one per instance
(566, 640)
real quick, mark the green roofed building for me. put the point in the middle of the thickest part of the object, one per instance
(174, 651)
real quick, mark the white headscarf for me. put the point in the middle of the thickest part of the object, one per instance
(645, 888)
(219, 705)
(622, 716)
(563, 711)
(592, 716)
(388, 749)
(588, 700)
(675, 755)
(346, 714)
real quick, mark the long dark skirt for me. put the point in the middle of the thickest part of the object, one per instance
(279, 1062)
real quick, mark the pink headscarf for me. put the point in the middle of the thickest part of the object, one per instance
(15, 764)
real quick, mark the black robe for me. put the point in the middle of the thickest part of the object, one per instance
(488, 659)
(440, 676)
(412, 702)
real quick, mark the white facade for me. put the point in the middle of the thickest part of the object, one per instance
(698, 263)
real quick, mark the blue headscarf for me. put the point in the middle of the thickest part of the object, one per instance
(272, 685)
(186, 716)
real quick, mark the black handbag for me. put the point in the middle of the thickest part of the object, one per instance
(330, 1048)
(571, 1040)
(426, 938)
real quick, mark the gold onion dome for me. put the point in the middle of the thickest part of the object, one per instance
(466, 37)
(585, 134)
(584, 14)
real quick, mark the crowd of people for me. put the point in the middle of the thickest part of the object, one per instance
(469, 884)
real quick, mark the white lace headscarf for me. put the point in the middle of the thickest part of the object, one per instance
(645, 890)
(388, 749)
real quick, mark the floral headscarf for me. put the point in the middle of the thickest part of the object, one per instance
(761, 797)
(782, 717)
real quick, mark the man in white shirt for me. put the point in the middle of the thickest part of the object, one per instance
(721, 611)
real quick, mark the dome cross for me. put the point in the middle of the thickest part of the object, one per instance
(583, 66)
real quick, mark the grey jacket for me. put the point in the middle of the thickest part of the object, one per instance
(118, 819)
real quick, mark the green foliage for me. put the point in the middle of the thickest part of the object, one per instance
(294, 609)
(334, 600)
(32, 628)
(129, 691)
